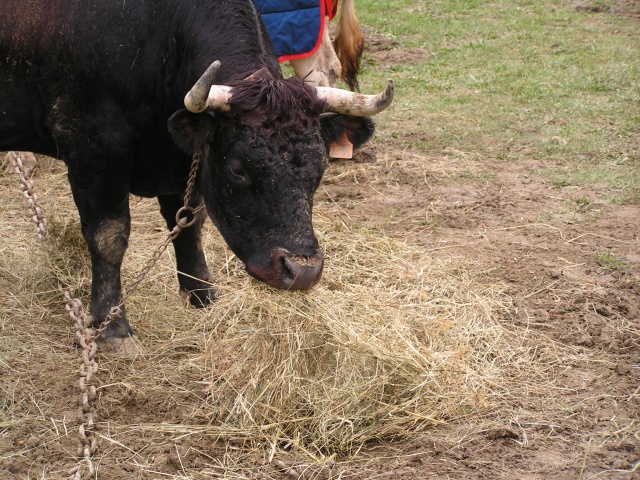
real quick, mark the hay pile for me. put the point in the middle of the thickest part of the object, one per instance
(389, 343)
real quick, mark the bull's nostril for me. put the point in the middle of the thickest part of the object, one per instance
(288, 271)
(290, 268)
(303, 272)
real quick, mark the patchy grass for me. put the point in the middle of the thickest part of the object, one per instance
(619, 182)
(512, 81)
(609, 260)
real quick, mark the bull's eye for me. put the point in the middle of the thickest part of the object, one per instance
(238, 173)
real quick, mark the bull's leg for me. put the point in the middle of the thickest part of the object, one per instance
(194, 276)
(103, 203)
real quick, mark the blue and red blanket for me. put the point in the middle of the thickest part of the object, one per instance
(295, 26)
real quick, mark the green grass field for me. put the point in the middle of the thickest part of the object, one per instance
(509, 80)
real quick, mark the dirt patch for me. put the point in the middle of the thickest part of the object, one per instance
(399, 56)
(386, 50)
(375, 42)
(502, 222)
(630, 8)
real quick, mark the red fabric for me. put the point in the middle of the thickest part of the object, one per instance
(332, 9)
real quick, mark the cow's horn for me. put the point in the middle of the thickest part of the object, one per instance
(356, 104)
(219, 96)
(198, 98)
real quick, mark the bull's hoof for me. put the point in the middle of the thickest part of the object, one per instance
(201, 298)
(121, 345)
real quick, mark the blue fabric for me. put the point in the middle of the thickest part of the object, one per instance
(293, 25)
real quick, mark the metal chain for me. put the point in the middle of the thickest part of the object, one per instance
(181, 224)
(88, 443)
(86, 334)
(37, 213)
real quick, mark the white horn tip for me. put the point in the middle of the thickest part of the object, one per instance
(389, 92)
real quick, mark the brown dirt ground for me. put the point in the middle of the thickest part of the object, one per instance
(516, 231)
(524, 234)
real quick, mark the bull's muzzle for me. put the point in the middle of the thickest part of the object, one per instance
(289, 271)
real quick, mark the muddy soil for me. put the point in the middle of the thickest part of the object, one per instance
(547, 250)
(571, 269)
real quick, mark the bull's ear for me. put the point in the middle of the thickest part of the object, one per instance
(358, 129)
(192, 130)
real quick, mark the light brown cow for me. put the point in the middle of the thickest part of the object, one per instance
(327, 65)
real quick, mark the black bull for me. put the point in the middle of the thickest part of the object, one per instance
(95, 84)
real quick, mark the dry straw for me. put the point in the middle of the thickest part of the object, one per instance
(390, 343)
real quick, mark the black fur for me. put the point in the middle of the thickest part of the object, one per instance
(94, 83)
(359, 130)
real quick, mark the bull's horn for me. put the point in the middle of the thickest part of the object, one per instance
(219, 97)
(356, 104)
(197, 100)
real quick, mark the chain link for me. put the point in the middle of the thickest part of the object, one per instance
(181, 224)
(85, 333)
(23, 172)
(88, 443)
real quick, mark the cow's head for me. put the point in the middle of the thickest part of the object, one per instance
(263, 143)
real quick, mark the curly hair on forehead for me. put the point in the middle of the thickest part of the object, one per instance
(284, 104)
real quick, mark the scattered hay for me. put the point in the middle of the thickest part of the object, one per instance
(390, 343)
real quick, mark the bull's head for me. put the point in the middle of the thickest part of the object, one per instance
(264, 143)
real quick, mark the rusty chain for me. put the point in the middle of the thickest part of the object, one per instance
(37, 213)
(85, 333)
(181, 223)
(88, 443)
